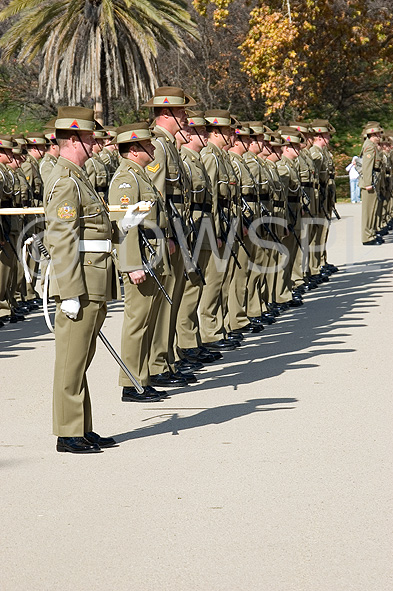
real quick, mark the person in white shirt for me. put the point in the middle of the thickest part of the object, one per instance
(353, 181)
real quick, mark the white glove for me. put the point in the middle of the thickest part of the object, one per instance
(134, 216)
(71, 307)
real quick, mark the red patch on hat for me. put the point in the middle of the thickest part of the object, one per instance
(191, 122)
(166, 100)
(215, 122)
(74, 124)
(134, 136)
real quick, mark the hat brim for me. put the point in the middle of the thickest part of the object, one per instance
(188, 102)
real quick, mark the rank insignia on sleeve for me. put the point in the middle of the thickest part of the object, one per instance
(154, 168)
(124, 186)
(66, 212)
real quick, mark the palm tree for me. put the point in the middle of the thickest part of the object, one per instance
(98, 49)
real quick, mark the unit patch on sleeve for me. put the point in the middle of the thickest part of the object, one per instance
(66, 212)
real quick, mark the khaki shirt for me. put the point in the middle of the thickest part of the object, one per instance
(201, 208)
(74, 211)
(47, 165)
(371, 165)
(98, 174)
(31, 168)
(111, 159)
(129, 185)
(212, 158)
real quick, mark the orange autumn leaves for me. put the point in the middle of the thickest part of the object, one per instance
(305, 54)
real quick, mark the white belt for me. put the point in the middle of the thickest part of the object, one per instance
(95, 246)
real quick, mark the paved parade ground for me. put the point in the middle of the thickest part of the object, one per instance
(272, 473)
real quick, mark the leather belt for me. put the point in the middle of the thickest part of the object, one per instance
(307, 184)
(278, 203)
(376, 169)
(205, 207)
(95, 246)
(251, 198)
(293, 199)
(7, 203)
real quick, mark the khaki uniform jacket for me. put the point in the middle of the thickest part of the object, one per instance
(31, 168)
(212, 158)
(371, 165)
(111, 159)
(289, 175)
(129, 185)
(168, 175)
(98, 174)
(201, 193)
(307, 178)
(279, 195)
(74, 211)
(47, 165)
(6, 190)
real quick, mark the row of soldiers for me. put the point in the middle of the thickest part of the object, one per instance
(26, 162)
(237, 233)
(376, 183)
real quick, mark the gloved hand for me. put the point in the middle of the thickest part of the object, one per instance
(134, 215)
(71, 307)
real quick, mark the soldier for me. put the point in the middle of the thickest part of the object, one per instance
(10, 230)
(109, 153)
(79, 239)
(289, 176)
(203, 235)
(212, 305)
(168, 175)
(142, 296)
(237, 302)
(97, 171)
(369, 183)
(48, 162)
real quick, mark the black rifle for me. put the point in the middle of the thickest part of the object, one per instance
(249, 220)
(334, 210)
(306, 203)
(147, 265)
(224, 237)
(322, 190)
(291, 227)
(225, 219)
(194, 231)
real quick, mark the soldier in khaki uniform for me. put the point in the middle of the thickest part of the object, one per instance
(79, 236)
(142, 297)
(189, 339)
(109, 153)
(270, 155)
(369, 183)
(168, 175)
(97, 171)
(289, 176)
(49, 161)
(237, 301)
(212, 306)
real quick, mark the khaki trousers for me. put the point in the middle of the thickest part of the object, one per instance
(75, 342)
(187, 325)
(369, 214)
(210, 308)
(141, 307)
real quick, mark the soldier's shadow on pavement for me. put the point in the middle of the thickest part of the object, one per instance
(289, 344)
(299, 337)
(209, 416)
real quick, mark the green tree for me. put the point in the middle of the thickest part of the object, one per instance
(95, 49)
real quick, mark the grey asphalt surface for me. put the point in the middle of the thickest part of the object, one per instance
(274, 472)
